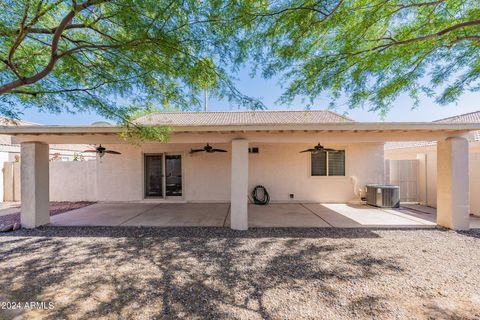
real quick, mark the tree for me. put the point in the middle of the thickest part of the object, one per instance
(368, 52)
(117, 56)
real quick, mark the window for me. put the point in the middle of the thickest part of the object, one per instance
(328, 163)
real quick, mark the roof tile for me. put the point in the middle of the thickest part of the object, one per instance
(242, 118)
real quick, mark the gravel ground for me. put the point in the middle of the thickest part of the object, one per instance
(208, 273)
(55, 208)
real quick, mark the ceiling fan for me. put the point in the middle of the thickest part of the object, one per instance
(101, 151)
(208, 148)
(318, 148)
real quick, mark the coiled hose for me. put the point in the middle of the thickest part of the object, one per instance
(255, 195)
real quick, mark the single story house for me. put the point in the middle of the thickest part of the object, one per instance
(425, 152)
(261, 148)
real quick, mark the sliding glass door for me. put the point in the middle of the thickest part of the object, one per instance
(173, 175)
(163, 176)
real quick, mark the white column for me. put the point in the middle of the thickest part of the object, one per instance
(34, 165)
(239, 185)
(453, 184)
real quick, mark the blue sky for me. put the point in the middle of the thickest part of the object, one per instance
(270, 90)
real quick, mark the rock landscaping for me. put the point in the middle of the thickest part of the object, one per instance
(217, 273)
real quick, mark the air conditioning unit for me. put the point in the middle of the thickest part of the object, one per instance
(383, 196)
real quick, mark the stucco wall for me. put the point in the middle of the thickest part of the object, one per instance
(73, 181)
(279, 167)
(431, 172)
(69, 181)
(284, 171)
(206, 176)
(3, 159)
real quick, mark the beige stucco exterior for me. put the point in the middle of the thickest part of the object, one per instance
(35, 182)
(239, 185)
(279, 167)
(427, 156)
(452, 183)
(69, 180)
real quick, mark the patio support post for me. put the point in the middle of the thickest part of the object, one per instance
(35, 184)
(453, 184)
(239, 185)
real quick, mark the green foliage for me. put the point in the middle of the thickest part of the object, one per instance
(368, 52)
(78, 157)
(111, 55)
(107, 56)
(133, 132)
(138, 133)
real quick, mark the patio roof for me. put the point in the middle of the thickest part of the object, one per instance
(330, 126)
(247, 124)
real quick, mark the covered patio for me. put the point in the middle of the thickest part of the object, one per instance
(217, 187)
(295, 215)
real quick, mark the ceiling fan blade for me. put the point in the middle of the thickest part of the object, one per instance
(196, 150)
(112, 152)
(330, 150)
(89, 151)
(308, 150)
(219, 150)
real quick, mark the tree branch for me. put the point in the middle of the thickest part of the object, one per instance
(54, 47)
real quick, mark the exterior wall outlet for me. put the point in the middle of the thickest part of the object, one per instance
(292, 195)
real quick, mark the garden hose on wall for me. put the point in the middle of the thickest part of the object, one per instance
(255, 195)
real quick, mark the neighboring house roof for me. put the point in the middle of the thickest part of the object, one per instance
(242, 118)
(408, 144)
(471, 117)
(7, 145)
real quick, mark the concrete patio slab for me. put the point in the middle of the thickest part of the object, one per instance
(357, 216)
(9, 208)
(182, 215)
(430, 214)
(419, 208)
(475, 222)
(283, 215)
(101, 214)
(307, 215)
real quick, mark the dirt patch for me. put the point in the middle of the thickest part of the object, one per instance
(56, 207)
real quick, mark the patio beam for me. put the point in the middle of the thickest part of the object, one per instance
(453, 206)
(239, 185)
(35, 184)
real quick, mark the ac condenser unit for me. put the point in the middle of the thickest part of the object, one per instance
(383, 196)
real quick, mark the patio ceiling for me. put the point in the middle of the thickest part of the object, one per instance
(287, 133)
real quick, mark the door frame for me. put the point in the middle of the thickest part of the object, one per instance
(182, 164)
(164, 197)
